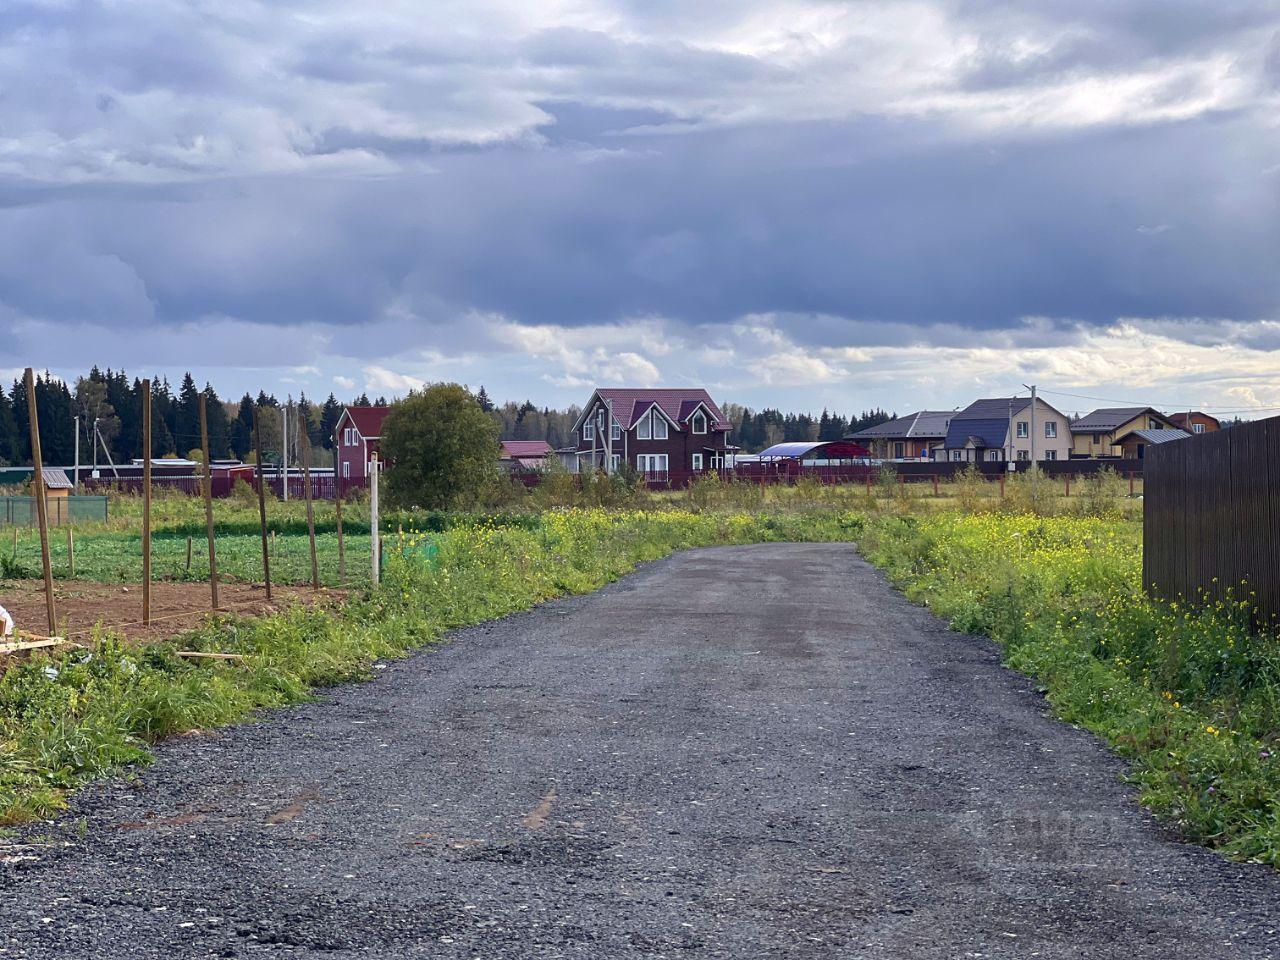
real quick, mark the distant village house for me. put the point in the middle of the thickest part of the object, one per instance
(658, 432)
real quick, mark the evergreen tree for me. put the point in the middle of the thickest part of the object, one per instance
(10, 449)
(362, 401)
(482, 398)
(381, 402)
(329, 415)
(242, 429)
(215, 413)
(186, 418)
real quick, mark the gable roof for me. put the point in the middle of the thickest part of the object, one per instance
(678, 403)
(516, 449)
(1108, 418)
(55, 478)
(368, 420)
(984, 423)
(1185, 417)
(923, 424)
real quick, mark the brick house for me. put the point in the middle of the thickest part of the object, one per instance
(355, 440)
(1194, 421)
(662, 433)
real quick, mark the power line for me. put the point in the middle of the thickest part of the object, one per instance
(1175, 407)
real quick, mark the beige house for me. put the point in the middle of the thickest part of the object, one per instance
(1102, 433)
(1008, 428)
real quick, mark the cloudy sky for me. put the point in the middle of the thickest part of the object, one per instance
(795, 202)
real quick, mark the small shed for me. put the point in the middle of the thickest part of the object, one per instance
(56, 482)
(1135, 442)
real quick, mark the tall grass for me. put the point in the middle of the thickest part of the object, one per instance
(70, 718)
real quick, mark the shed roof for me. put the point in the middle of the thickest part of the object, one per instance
(516, 449)
(1108, 418)
(1160, 436)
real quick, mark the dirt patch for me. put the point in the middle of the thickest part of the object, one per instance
(175, 607)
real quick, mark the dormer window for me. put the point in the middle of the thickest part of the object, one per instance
(652, 426)
(588, 431)
(699, 422)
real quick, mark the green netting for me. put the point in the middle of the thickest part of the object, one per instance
(21, 511)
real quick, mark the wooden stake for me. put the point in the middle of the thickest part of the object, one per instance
(146, 502)
(375, 549)
(208, 504)
(71, 553)
(188, 554)
(304, 440)
(342, 556)
(42, 508)
(262, 503)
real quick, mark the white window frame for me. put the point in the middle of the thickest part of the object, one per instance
(346, 469)
(699, 416)
(651, 463)
(1024, 454)
(957, 456)
(616, 461)
(993, 456)
(1051, 429)
(1024, 429)
(615, 430)
(643, 427)
(696, 461)
(659, 426)
(1197, 428)
(1051, 454)
(588, 431)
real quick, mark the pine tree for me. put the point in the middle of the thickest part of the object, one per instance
(219, 428)
(362, 401)
(9, 446)
(329, 415)
(242, 429)
(381, 402)
(186, 418)
(482, 398)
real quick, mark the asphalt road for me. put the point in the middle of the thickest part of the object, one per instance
(742, 752)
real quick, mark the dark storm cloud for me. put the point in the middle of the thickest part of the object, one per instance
(860, 180)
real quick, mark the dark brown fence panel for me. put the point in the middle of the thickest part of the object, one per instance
(1211, 512)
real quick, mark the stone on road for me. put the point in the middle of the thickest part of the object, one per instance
(739, 752)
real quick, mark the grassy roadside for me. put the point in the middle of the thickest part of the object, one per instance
(84, 714)
(1191, 696)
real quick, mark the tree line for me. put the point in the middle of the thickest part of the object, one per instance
(109, 404)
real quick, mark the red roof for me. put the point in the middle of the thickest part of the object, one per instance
(368, 420)
(678, 403)
(525, 448)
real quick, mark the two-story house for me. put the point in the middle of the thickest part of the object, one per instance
(1195, 421)
(1102, 433)
(917, 436)
(1007, 428)
(355, 440)
(663, 432)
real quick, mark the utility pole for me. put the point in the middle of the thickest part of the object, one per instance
(76, 468)
(375, 546)
(284, 449)
(1034, 468)
(608, 453)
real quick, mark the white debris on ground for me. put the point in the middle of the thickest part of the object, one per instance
(6, 623)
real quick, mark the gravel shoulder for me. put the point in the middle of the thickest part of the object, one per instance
(739, 752)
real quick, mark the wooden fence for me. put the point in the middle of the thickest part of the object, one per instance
(1211, 512)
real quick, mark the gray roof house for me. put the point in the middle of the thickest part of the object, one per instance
(1103, 432)
(1004, 428)
(914, 437)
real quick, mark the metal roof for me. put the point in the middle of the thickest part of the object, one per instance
(1160, 436)
(1108, 418)
(678, 403)
(55, 478)
(798, 449)
(525, 448)
(927, 424)
(368, 420)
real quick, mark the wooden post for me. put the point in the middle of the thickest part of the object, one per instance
(208, 504)
(71, 553)
(262, 502)
(1067, 479)
(373, 517)
(146, 502)
(42, 508)
(304, 441)
(1131, 483)
(1002, 486)
(188, 555)
(342, 557)
(935, 485)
